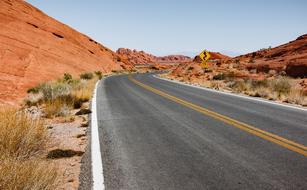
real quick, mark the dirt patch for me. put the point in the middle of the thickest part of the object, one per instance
(66, 149)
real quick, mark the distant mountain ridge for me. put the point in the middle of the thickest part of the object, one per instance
(140, 57)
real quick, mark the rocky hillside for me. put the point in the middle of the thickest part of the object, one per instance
(141, 57)
(290, 58)
(35, 48)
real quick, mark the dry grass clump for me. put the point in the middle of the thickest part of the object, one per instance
(281, 85)
(20, 135)
(297, 96)
(34, 174)
(85, 90)
(59, 107)
(22, 144)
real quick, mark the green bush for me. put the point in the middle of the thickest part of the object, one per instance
(220, 76)
(190, 68)
(86, 76)
(33, 90)
(98, 74)
(67, 77)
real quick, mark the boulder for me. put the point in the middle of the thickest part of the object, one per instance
(297, 69)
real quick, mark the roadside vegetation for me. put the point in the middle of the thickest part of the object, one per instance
(59, 97)
(22, 147)
(278, 88)
(24, 136)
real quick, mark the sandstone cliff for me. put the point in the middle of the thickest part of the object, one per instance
(35, 48)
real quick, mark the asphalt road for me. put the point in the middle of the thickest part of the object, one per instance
(156, 134)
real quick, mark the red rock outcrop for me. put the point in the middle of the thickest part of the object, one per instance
(297, 69)
(141, 57)
(35, 48)
(173, 59)
(135, 57)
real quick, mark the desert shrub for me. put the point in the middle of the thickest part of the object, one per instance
(190, 68)
(239, 85)
(281, 85)
(33, 90)
(52, 91)
(297, 96)
(60, 106)
(86, 76)
(33, 174)
(263, 92)
(259, 83)
(78, 103)
(98, 74)
(84, 91)
(21, 136)
(67, 77)
(33, 99)
(220, 76)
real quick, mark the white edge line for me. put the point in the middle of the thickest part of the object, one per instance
(97, 169)
(232, 94)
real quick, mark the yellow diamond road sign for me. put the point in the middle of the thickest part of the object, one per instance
(204, 55)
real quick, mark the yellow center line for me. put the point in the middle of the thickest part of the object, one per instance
(296, 147)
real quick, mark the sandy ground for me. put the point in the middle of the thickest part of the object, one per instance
(66, 134)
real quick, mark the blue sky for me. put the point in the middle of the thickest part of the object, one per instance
(166, 27)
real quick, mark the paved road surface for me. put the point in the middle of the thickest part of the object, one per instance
(157, 134)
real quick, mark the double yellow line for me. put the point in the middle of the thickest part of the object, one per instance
(243, 126)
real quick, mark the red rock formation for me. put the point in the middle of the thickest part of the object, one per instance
(173, 59)
(35, 48)
(135, 57)
(297, 69)
(141, 57)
